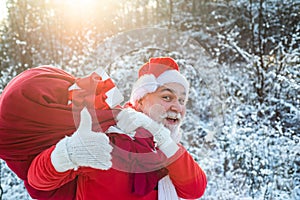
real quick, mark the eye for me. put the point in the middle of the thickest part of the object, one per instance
(181, 101)
(167, 98)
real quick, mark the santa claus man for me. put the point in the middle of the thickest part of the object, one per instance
(133, 154)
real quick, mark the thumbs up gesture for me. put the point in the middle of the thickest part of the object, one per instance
(84, 148)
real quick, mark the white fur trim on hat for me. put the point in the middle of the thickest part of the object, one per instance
(173, 76)
(145, 84)
(148, 84)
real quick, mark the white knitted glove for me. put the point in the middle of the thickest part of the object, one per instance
(84, 148)
(129, 120)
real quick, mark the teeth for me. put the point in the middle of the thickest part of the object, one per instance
(171, 116)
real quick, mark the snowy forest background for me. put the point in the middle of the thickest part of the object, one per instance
(242, 58)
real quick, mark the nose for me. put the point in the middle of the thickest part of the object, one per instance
(176, 107)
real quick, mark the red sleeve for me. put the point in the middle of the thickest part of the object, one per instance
(187, 176)
(43, 176)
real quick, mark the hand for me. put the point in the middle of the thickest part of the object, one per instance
(129, 120)
(84, 148)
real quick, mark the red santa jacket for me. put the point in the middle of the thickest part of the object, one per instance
(187, 177)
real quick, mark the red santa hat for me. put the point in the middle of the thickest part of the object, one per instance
(155, 73)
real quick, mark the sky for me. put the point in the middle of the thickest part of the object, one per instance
(3, 11)
(74, 5)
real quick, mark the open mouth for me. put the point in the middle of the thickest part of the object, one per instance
(172, 120)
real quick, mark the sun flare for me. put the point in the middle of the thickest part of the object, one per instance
(80, 4)
(82, 9)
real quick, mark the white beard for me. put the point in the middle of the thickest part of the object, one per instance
(175, 133)
(175, 129)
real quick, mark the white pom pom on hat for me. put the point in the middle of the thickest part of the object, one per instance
(155, 73)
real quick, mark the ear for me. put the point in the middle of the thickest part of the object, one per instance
(139, 104)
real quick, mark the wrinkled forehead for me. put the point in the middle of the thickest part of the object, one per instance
(174, 88)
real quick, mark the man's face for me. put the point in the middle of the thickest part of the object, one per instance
(166, 105)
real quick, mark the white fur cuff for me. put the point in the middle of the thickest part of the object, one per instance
(60, 158)
(169, 148)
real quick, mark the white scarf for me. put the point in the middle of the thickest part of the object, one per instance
(166, 189)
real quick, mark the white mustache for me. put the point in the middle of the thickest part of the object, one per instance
(172, 115)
